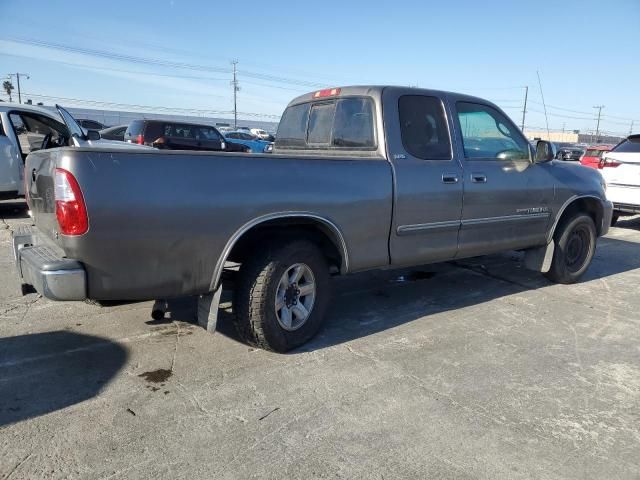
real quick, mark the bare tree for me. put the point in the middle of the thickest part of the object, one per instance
(8, 86)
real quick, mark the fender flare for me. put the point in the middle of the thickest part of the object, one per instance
(566, 205)
(333, 228)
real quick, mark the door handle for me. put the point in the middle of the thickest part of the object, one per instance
(449, 178)
(33, 174)
(478, 178)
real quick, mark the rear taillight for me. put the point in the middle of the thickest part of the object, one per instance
(608, 162)
(71, 211)
(140, 139)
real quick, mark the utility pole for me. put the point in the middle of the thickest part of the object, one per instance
(234, 84)
(544, 104)
(563, 127)
(524, 110)
(17, 75)
(599, 107)
(631, 128)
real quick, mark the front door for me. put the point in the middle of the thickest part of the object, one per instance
(506, 196)
(428, 179)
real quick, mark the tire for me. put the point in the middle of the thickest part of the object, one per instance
(614, 219)
(575, 245)
(259, 319)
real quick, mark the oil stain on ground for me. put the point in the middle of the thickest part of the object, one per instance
(157, 376)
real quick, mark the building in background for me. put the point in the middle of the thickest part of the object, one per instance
(570, 136)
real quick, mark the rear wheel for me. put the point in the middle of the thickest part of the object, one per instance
(575, 245)
(282, 295)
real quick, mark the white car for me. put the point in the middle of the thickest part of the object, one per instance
(25, 129)
(621, 171)
(258, 132)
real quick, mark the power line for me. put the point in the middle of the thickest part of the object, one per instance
(163, 63)
(98, 103)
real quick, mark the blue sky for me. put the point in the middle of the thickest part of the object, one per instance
(585, 51)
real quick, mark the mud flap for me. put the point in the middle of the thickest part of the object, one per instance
(539, 259)
(208, 307)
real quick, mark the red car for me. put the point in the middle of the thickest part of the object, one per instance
(593, 156)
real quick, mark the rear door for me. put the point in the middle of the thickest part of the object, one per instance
(208, 138)
(181, 136)
(507, 197)
(428, 179)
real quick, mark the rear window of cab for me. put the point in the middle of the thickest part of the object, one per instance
(344, 123)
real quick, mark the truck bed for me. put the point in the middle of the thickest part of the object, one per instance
(160, 221)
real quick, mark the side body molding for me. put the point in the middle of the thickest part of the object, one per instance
(342, 244)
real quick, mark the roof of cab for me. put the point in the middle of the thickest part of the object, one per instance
(376, 91)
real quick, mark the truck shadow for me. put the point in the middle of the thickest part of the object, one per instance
(629, 223)
(14, 209)
(369, 303)
(44, 372)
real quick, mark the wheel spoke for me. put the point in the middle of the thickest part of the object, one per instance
(296, 274)
(285, 316)
(280, 302)
(300, 311)
(307, 289)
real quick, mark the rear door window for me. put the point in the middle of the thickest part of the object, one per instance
(423, 127)
(353, 124)
(207, 133)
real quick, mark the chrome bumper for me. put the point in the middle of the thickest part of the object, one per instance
(42, 265)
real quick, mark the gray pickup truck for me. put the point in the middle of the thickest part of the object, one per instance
(361, 178)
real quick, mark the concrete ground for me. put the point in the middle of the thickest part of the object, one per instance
(474, 369)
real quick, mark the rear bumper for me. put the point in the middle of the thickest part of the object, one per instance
(43, 266)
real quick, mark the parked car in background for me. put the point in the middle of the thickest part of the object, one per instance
(260, 133)
(25, 129)
(171, 135)
(621, 171)
(593, 156)
(90, 124)
(114, 133)
(362, 178)
(569, 154)
(255, 144)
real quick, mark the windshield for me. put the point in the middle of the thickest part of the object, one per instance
(72, 125)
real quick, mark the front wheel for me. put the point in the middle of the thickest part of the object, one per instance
(282, 295)
(575, 245)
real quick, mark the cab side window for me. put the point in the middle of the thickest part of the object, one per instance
(423, 127)
(488, 134)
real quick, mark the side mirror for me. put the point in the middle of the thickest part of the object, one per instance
(93, 135)
(545, 151)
